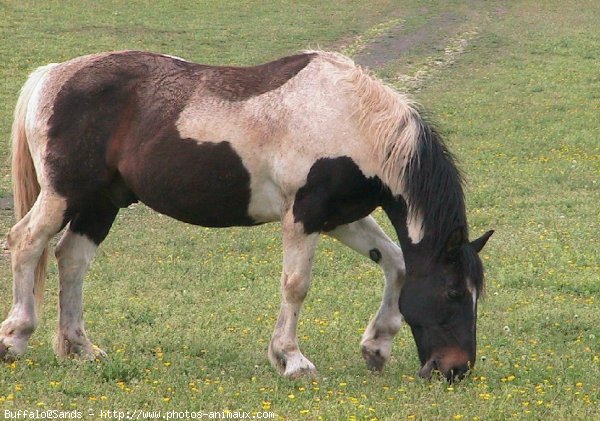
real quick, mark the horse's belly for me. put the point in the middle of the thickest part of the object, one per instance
(204, 184)
(266, 201)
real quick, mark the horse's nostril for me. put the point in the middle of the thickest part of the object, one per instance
(452, 374)
(457, 373)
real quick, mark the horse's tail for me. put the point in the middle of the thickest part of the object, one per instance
(24, 177)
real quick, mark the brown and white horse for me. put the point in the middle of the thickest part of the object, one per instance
(310, 140)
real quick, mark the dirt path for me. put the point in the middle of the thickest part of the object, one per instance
(407, 54)
(396, 42)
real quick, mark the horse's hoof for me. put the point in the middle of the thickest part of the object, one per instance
(374, 358)
(85, 351)
(91, 352)
(7, 353)
(291, 364)
(11, 348)
(86, 354)
(297, 365)
(99, 353)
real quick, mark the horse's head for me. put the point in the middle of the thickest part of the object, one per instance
(439, 303)
(424, 198)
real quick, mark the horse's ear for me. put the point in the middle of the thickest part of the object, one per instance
(455, 240)
(480, 242)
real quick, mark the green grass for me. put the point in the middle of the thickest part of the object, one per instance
(186, 313)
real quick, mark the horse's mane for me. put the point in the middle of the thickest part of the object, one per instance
(415, 162)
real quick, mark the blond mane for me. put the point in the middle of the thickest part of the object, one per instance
(388, 119)
(413, 159)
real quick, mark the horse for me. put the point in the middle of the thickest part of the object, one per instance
(311, 140)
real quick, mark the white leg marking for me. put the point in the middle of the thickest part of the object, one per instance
(74, 253)
(27, 240)
(364, 236)
(298, 252)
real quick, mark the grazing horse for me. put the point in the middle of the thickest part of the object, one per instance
(310, 140)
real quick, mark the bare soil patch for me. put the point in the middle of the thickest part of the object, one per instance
(398, 41)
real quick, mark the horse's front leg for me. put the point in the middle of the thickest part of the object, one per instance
(368, 239)
(298, 252)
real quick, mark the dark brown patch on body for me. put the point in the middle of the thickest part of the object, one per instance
(203, 184)
(113, 134)
(336, 193)
(95, 219)
(240, 83)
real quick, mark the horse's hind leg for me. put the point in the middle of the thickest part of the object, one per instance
(27, 241)
(298, 252)
(367, 238)
(74, 253)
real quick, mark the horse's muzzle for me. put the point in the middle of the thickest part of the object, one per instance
(453, 373)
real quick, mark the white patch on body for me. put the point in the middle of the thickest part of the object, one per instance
(36, 120)
(473, 290)
(174, 57)
(414, 224)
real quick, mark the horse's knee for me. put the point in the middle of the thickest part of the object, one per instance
(20, 247)
(392, 262)
(9, 239)
(67, 257)
(65, 252)
(295, 287)
(389, 324)
(14, 236)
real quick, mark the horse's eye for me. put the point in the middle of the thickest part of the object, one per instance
(455, 294)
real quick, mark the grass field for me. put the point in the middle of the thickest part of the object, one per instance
(186, 313)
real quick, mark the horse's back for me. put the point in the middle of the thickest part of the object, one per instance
(117, 127)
